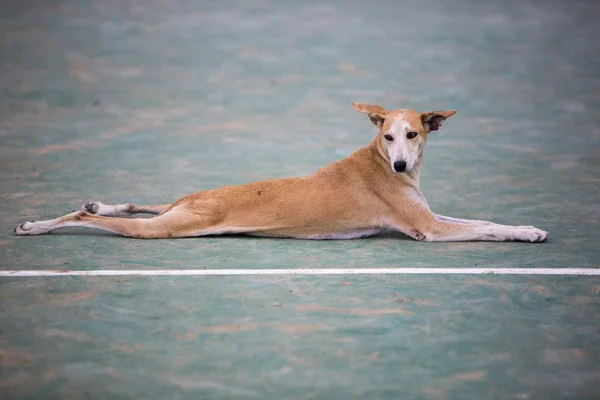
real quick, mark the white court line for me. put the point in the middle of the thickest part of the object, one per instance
(308, 271)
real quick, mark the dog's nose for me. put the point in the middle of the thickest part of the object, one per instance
(400, 166)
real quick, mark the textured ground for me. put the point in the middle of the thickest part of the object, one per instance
(131, 101)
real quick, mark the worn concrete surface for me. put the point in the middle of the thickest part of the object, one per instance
(130, 101)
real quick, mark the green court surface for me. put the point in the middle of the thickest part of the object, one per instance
(145, 101)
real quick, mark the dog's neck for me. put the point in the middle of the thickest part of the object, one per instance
(380, 156)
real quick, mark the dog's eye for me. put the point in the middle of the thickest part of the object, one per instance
(388, 137)
(411, 135)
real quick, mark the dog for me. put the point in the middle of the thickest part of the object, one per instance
(373, 190)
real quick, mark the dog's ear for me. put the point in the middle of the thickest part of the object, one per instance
(376, 114)
(432, 120)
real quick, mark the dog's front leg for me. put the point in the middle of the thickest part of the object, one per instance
(443, 231)
(462, 221)
(422, 225)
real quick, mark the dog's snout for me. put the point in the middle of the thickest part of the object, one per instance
(400, 166)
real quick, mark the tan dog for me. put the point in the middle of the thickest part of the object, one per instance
(373, 190)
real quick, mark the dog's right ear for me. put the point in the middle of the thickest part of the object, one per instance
(376, 114)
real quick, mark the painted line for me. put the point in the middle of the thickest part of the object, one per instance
(306, 271)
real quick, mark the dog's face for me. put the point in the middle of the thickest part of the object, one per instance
(403, 133)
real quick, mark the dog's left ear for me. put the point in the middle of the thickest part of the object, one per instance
(432, 120)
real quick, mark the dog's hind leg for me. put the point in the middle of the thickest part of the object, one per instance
(174, 223)
(121, 210)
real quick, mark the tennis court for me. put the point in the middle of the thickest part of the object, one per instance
(145, 101)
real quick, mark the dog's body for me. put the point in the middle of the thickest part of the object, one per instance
(373, 190)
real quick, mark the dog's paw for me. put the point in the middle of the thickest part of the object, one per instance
(108, 210)
(26, 228)
(92, 207)
(531, 234)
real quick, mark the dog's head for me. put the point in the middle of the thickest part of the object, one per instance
(403, 133)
